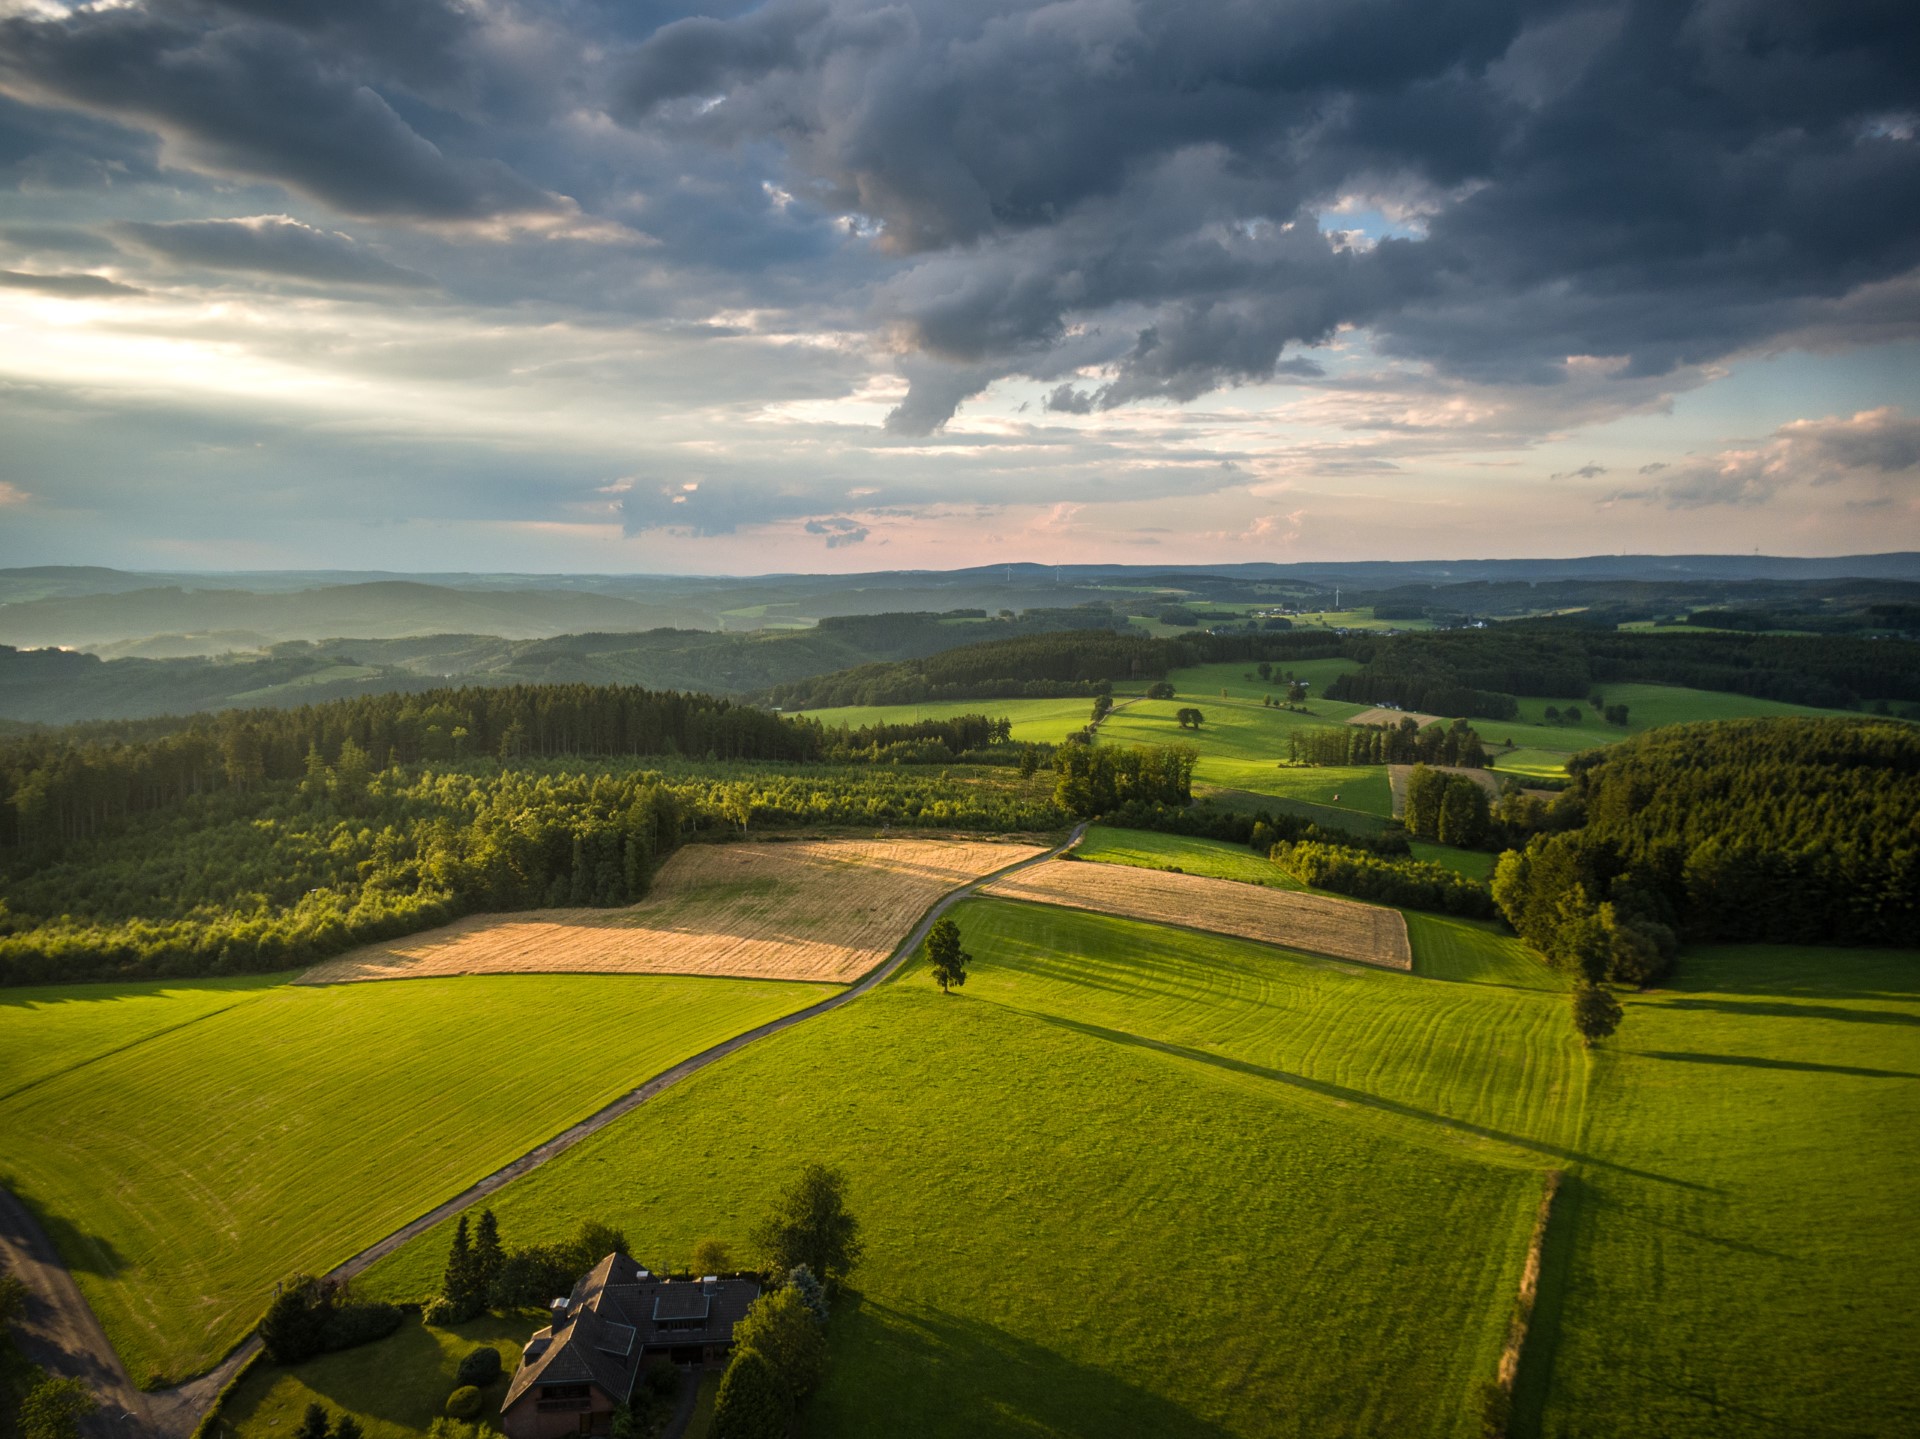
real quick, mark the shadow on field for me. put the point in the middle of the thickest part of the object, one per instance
(1342, 1093)
(1752, 1061)
(952, 1374)
(1535, 1377)
(80, 1251)
(1775, 1009)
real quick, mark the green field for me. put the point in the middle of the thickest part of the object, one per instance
(1733, 1255)
(212, 1137)
(1149, 850)
(1037, 721)
(1648, 707)
(1204, 682)
(1115, 1138)
(1473, 863)
(1745, 1260)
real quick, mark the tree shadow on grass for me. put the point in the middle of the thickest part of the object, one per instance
(1775, 1009)
(927, 1371)
(1753, 1061)
(1341, 1092)
(81, 1252)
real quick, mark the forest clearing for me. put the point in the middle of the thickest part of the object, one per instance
(1338, 928)
(823, 911)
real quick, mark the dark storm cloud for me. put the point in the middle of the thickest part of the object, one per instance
(270, 245)
(257, 100)
(1656, 183)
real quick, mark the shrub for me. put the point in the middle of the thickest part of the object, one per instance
(464, 1403)
(53, 1409)
(354, 1324)
(481, 1367)
(438, 1312)
(752, 1402)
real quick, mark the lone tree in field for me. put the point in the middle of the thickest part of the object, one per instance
(810, 1225)
(1596, 1013)
(1189, 717)
(949, 960)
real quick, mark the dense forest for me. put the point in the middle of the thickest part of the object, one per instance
(1787, 831)
(1478, 672)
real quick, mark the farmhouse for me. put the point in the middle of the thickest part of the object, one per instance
(577, 1371)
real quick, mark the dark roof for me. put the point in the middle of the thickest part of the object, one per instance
(617, 1311)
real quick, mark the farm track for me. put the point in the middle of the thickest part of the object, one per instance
(175, 1413)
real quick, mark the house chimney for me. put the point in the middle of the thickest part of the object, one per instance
(708, 1281)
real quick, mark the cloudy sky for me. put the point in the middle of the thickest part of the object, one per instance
(865, 284)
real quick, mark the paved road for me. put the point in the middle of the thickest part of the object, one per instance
(59, 1331)
(174, 1413)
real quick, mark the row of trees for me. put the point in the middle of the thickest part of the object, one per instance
(1409, 884)
(1405, 742)
(1450, 808)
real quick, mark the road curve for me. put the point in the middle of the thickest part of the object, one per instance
(175, 1413)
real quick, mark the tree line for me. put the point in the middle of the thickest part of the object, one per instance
(289, 872)
(1405, 742)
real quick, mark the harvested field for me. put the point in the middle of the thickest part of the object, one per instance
(820, 910)
(1397, 777)
(1339, 928)
(1386, 716)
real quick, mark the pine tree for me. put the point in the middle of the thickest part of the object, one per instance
(487, 1257)
(457, 1286)
(314, 1425)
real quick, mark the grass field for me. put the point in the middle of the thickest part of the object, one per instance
(817, 910)
(1733, 1254)
(1473, 863)
(1130, 1181)
(258, 1131)
(1040, 721)
(1204, 682)
(48, 1031)
(1745, 1261)
(1146, 849)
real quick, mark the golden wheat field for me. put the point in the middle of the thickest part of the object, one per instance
(822, 910)
(1340, 928)
(1393, 717)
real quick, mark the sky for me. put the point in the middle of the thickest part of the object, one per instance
(843, 285)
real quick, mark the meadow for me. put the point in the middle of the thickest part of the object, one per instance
(212, 1137)
(1147, 849)
(1732, 1253)
(1039, 721)
(1117, 1138)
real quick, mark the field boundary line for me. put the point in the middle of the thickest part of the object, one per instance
(130, 1044)
(1529, 1292)
(179, 1412)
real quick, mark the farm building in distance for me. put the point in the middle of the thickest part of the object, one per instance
(576, 1372)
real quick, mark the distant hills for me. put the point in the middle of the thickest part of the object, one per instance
(93, 643)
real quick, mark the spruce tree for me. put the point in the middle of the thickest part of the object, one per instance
(457, 1284)
(314, 1425)
(487, 1257)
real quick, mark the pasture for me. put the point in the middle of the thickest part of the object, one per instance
(1143, 1136)
(259, 1128)
(817, 910)
(1047, 721)
(1318, 924)
(1244, 747)
(1734, 1251)
(1146, 849)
